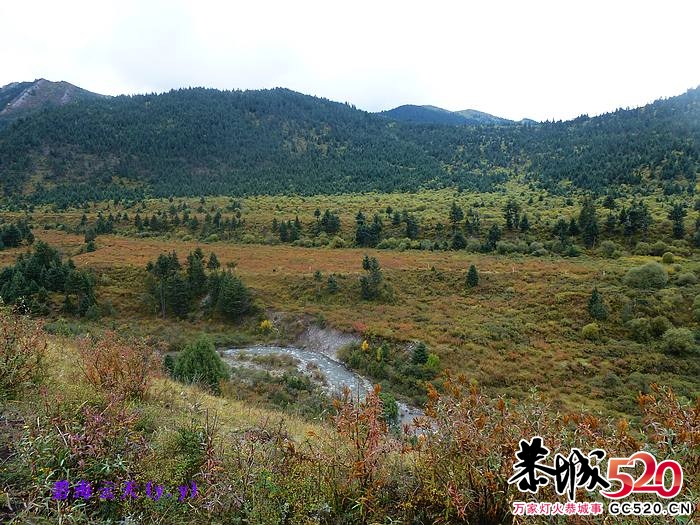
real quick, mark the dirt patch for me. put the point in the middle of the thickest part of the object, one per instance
(326, 341)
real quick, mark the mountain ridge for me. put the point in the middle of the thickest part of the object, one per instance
(19, 99)
(199, 141)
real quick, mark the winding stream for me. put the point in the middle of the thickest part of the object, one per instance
(337, 375)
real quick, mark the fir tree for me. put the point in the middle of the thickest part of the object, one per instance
(472, 277)
(596, 306)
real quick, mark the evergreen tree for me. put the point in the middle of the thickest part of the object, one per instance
(596, 306)
(511, 212)
(524, 223)
(420, 354)
(456, 215)
(213, 263)
(472, 277)
(588, 223)
(492, 237)
(458, 241)
(200, 363)
(371, 282)
(233, 298)
(677, 214)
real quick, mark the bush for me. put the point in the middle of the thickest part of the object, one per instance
(687, 279)
(591, 332)
(22, 351)
(337, 242)
(658, 248)
(114, 365)
(696, 308)
(639, 329)
(199, 363)
(642, 248)
(667, 258)
(659, 325)
(609, 249)
(678, 341)
(650, 275)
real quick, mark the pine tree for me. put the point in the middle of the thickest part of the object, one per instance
(677, 214)
(596, 306)
(420, 354)
(588, 223)
(472, 277)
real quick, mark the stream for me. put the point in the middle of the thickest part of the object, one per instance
(337, 375)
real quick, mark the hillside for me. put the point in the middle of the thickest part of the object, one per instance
(204, 141)
(21, 99)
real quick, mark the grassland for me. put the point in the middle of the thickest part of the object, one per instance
(519, 330)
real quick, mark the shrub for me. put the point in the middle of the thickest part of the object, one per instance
(696, 307)
(687, 279)
(119, 366)
(591, 332)
(659, 325)
(609, 249)
(22, 351)
(678, 341)
(642, 248)
(337, 242)
(199, 363)
(650, 275)
(667, 258)
(639, 329)
(658, 248)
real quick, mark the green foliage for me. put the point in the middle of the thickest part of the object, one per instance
(650, 275)
(370, 284)
(678, 341)
(200, 363)
(667, 258)
(27, 284)
(640, 329)
(591, 332)
(596, 306)
(686, 279)
(420, 354)
(588, 223)
(472, 277)
(390, 409)
(233, 300)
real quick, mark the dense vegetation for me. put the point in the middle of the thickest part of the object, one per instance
(204, 142)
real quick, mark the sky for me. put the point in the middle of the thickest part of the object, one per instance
(545, 60)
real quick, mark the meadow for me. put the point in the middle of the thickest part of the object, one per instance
(522, 342)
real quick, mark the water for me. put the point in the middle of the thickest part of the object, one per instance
(336, 373)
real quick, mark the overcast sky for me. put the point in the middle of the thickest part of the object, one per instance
(512, 58)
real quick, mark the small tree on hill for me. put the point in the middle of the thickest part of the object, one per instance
(199, 363)
(472, 277)
(596, 306)
(420, 354)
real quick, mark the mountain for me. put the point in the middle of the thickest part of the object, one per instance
(20, 99)
(204, 141)
(435, 115)
(483, 118)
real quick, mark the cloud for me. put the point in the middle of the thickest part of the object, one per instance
(541, 59)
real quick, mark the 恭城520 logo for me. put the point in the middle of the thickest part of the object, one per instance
(651, 480)
(583, 470)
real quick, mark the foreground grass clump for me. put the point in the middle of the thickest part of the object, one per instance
(22, 354)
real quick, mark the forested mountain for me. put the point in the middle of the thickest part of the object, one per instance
(20, 99)
(205, 141)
